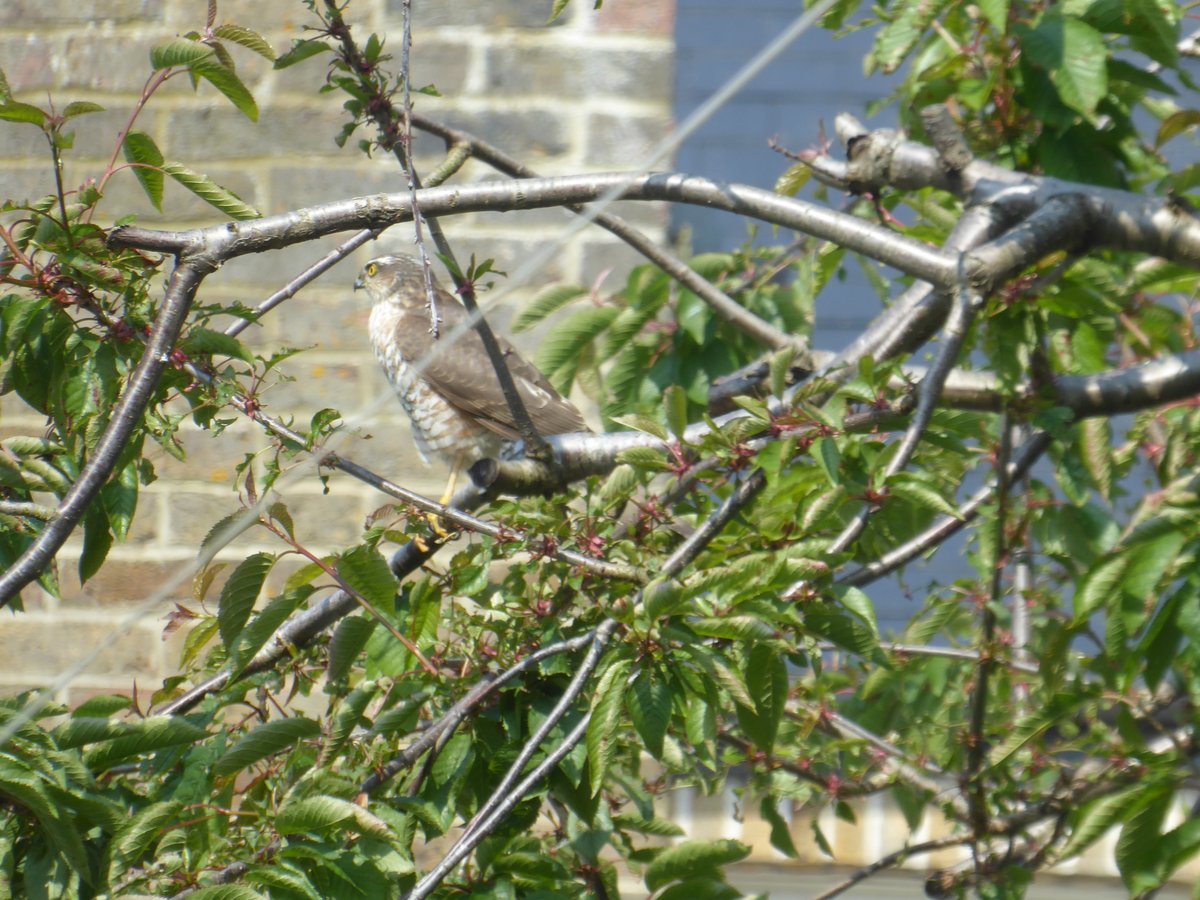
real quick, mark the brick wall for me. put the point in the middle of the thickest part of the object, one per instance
(530, 89)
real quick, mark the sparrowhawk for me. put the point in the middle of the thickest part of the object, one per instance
(454, 400)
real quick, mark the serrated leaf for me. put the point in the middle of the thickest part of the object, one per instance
(225, 80)
(649, 703)
(1095, 446)
(828, 458)
(1139, 848)
(138, 835)
(243, 36)
(1073, 54)
(226, 892)
(547, 301)
(368, 575)
(301, 50)
(347, 642)
(239, 594)
(178, 52)
(285, 879)
(346, 719)
(898, 37)
(1095, 819)
(915, 489)
(629, 820)
(860, 604)
(559, 354)
(793, 179)
(645, 425)
(606, 717)
(143, 736)
(1100, 585)
(690, 858)
(734, 628)
(675, 409)
(255, 635)
(643, 458)
(781, 365)
(619, 484)
(265, 740)
(211, 192)
(848, 633)
(314, 814)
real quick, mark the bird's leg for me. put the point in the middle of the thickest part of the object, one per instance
(435, 521)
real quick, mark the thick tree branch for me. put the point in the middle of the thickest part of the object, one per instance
(721, 303)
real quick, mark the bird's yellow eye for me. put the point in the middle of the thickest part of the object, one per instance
(371, 270)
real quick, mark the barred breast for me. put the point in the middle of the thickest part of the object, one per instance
(439, 429)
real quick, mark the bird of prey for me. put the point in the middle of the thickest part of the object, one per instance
(452, 397)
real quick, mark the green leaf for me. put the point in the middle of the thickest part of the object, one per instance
(1176, 124)
(368, 575)
(349, 715)
(210, 192)
(860, 604)
(781, 365)
(547, 301)
(734, 628)
(227, 82)
(845, 631)
(239, 594)
(691, 858)
(301, 50)
(266, 623)
(178, 52)
(201, 340)
(226, 892)
(314, 814)
(675, 409)
(22, 112)
(826, 455)
(347, 642)
(1094, 820)
(996, 12)
(1095, 446)
(251, 40)
(80, 108)
(781, 832)
(556, 10)
(558, 356)
(141, 737)
(896, 39)
(265, 740)
(1100, 585)
(793, 179)
(606, 717)
(138, 835)
(663, 596)
(97, 541)
(649, 703)
(1139, 848)
(767, 682)
(223, 533)
(917, 489)
(1073, 54)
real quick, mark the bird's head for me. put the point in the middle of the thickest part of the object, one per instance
(394, 279)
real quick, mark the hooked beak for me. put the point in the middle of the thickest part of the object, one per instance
(358, 283)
